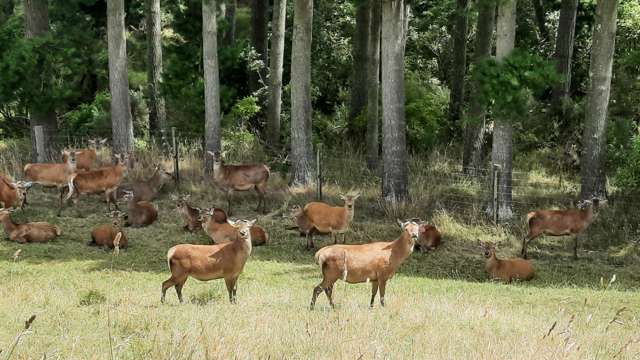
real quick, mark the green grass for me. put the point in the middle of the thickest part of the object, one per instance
(440, 304)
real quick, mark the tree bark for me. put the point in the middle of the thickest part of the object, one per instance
(230, 16)
(395, 184)
(211, 81)
(276, 61)
(502, 151)
(373, 85)
(258, 38)
(564, 51)
(36, 25)
(541, 20)
(359, 53)
(475, 128)
(301, 141)
(157, 113)
(594, 136)
(121, 123)
(459, 66)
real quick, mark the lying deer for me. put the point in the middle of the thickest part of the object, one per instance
(28, 232)
(216, 224)
(190, 214)
(375, 262)
(429, 238)
(230, 178)
(560, 223)
(506, 270)
(105, 235)
(150, 189)
(139, 213)
(318, 217)
(13, 194)
(53, 175)
(87, 159)
(210, 262)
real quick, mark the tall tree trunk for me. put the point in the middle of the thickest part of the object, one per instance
(301, 141)
(36, 25)
(395, 184)
(157, 113)
(276, 61)
(258, 37)
(474, 138)
(373, 84)
(121, 123)
(564, 51)
(359, 70)
(211, 81)
(594, 137)
(541, 20)
(459, 66)
(230, 17)
(502, 151)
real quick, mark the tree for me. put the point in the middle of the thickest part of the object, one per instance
(211, 81)
(373, 84)
(230, 17)
(359, 53)
(459, 66)
(502, 151)
(564, 51)
(395, 184)
(474, 138)
(157, 113)
(37, 25)
(594, 137)
(301, 146)
(276, 61)
(122, 126)
(258, 37)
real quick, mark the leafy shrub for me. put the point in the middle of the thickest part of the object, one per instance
(425, 107)
(627, 175)
(91, 118)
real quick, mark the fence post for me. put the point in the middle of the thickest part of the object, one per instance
(496, 201)
(318, 172)
(176, 167)
(41, 153)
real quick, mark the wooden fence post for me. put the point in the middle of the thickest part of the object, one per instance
(496, 200)
(176, 159)
(318, 172)
(41, 152)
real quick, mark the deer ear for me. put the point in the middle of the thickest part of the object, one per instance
(103, 141)
(211, 153)
(400, 223)
(343, 197)
(251, 222)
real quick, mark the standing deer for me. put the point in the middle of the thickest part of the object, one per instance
(318, 217)
(53, 175)
(13, 194)
(150, 189)
(90, 157)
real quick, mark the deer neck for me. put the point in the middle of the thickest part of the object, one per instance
(402, 247)
(588, 214)
(493, 263)
(349, 213)
(9, 226)
(244, 244)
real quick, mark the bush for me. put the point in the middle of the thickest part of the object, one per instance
(425, 107)
(627, 175)
(91, 118)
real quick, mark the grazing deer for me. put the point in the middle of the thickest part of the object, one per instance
(13, 194)
(230, 178)
(139, 213)
(87, 159)
(325, 219)
(210, 262)
(28, 232)
(561, 222)
(376, 262)
(429, 238)
(216, 224)
(53, 175)
(147, 190)
(106, 234)
(506, 270)
(190, 214)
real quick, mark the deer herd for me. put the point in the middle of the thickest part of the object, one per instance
(84, 172)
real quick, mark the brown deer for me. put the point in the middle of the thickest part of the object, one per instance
(230, 178)
(506, 270)
(28, 232)
(216, 224)
(105, 235)
(376, 262)
(139, 213)
(13, 194)
(210, 262)
(429, 238)
(561, 222)
(53, 175)
(87, 159)
(150, 189)
(190, 214)
(325, 219)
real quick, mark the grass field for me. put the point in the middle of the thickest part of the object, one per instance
(92, 304)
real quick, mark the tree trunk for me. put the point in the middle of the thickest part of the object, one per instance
(541, 20)
(36, 25)
(474, 138)
(157, 114)
(301, 145)
(564, 51)
(359, 70)
(459, 66)
(121, 123)
(211, 82)
(502, 151)
(594, 137)
(395, 184)
(276, 61)
(258, 38)
(230, 16)
(373, 85)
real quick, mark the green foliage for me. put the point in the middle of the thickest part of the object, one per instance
(92, 297)
(627, 158)
(91, 118)
(245, 109)
(425, 109)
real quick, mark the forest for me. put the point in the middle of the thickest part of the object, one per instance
(509, 128)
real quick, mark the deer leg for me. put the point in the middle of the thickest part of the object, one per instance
(329, 292)
(310, 244)
(382, 284)
(231, 289)
(60, 203)
(575, 247)
(316, 291)
(179, 291)
(166, 285)
(374, 291)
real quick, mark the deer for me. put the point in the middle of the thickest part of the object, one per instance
(13, 194)
(216, 224)
(230, 178)
(190, 214)
(104, 180)
(375, 262)
(209, 262)
(148, 190)
(53, 175)
(87, 159)
(322, 218)
(106, 234)
(506, 270)
(429, 238)
(303, 226)
(33, 232)
(139, 213)
(561, 222)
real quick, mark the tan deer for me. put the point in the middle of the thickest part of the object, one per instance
(13, 194)
(139, 213)
(105, 235)
(506, 270)
(29, 232)
(190, 214)
(53, 175)
(216, 224)
(87, 159)
(149, 189)
(318, 217)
